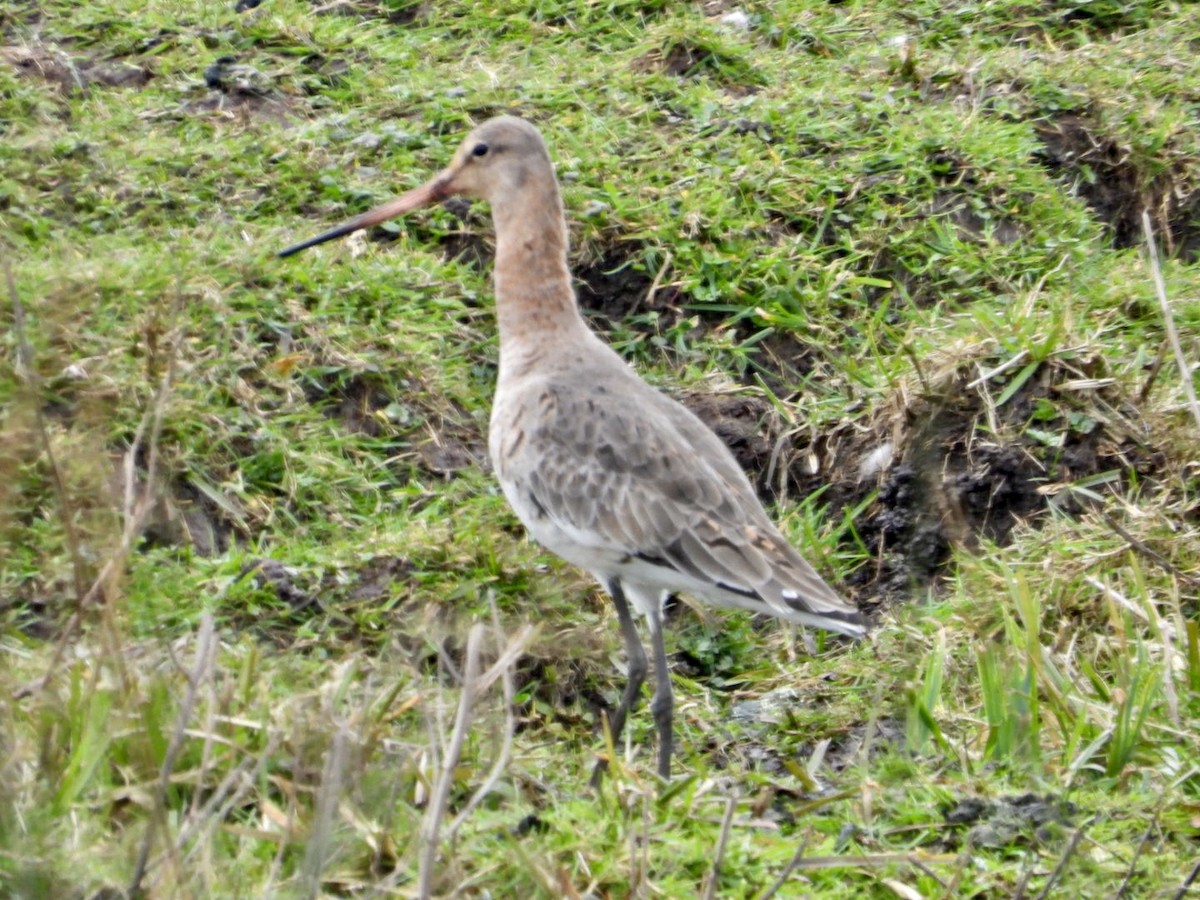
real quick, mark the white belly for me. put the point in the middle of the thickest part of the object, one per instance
(578, 547)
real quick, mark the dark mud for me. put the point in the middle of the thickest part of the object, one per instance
(933, 474)
(571, 692)
(1013, 821)
(442, 440)
(395, 12)
(618, 290)
(1117, 186)
(351, 399)
(295, 595)
(73, 73)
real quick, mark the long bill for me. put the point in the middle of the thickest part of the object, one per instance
(429, 193)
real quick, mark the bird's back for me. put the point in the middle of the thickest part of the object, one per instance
(623, 481)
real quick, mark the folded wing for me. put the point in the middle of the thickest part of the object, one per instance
(646, 481)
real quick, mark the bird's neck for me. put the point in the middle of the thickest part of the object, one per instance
(535, 303)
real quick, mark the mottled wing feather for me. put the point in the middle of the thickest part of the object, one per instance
(656, 484)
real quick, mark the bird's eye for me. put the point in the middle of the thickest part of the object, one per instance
(479, 150)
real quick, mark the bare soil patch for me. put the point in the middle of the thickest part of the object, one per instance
(1010, 821)
(689, 59)
(396, 12)
(330, 596)
(238, 88)
(1107, 175)
(948, 466)
(619, 289)
(444, 439)
(185, 515)
(74, 73)
(566, 690)
(351, 399)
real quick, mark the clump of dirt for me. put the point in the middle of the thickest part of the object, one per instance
(234, 85)
(445, 453)
(326, 72)
(696, 59)
(745, 423)
(351, 399)
(870, 739)
(754, 743)
(396, 12)
(375, 579)
(764, 131)
(1057, 22)
(1101, 19)
(1117, 187)
(948, 465)
(1011, 821)
(619, 288)
(330, 597)
(183, 515)
(962, 466)
(473, 243)
(782, 360)
(755, 746)
(74, 74)
(273, 575)
(974, 225)
(443, 440)
(37, 607)
(563, 690)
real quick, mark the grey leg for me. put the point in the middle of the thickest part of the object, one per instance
(663, 704)
(637, 671)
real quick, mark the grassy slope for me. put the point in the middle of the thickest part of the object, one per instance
(848, 228)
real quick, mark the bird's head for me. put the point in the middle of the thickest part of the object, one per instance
(496, 160)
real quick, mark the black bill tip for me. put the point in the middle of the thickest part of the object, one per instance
(332, 234)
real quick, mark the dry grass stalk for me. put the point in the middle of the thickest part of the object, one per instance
(28, 371)
(1160, 287)
(504, 664)
(1187, 882)
(786, 873)
(710, 890)
(332, 778)
(1137, 854)
(1072, 846)
(201, 672)
(135, 507)
(436, 810)
(239, 781)
(446, 752)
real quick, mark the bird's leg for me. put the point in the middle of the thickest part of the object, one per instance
(663, 704)
(637, 671)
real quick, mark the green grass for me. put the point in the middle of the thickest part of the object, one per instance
(851, 224)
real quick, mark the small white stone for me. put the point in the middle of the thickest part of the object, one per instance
(736, 20)
(368, 139)
(75, 372)
(357, 244)
(878, 460)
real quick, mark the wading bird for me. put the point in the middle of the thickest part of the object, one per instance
(603, 470)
